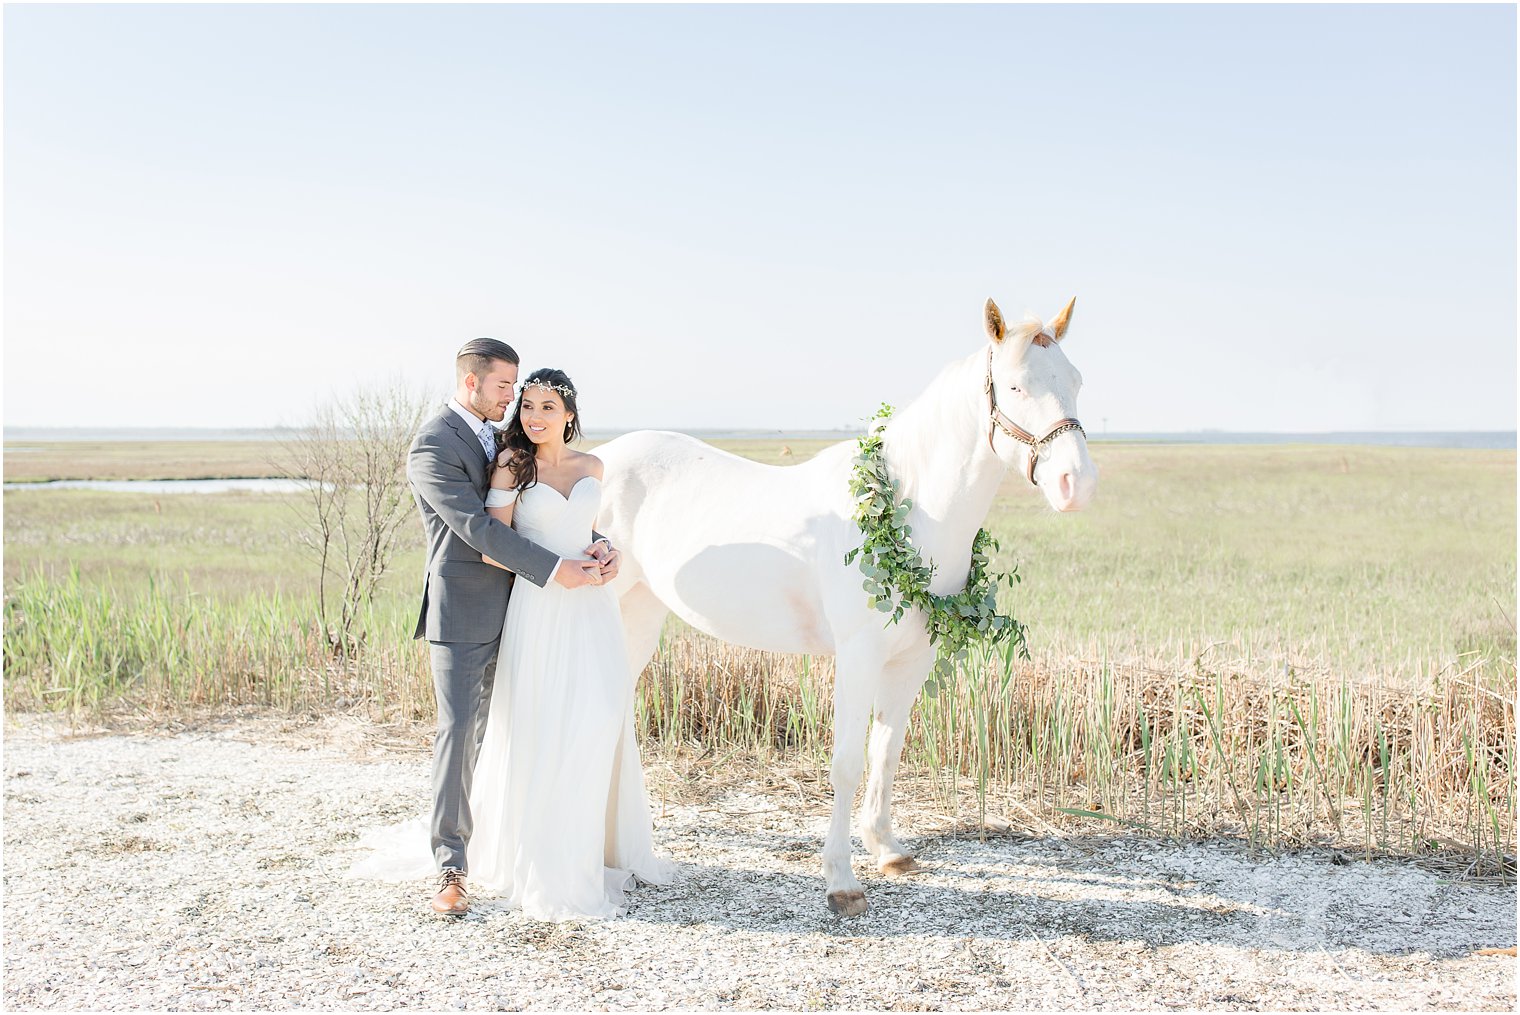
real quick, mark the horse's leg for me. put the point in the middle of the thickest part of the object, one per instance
(643, 619)
(856, 666)
(895, 694)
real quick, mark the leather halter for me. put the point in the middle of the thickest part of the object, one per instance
(997, 421)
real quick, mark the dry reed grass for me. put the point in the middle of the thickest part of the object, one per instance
(1193, 748)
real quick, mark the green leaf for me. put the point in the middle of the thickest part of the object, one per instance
(896, 576)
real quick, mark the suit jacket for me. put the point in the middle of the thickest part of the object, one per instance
(464, 599)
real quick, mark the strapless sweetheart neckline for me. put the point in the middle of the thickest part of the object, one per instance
(565, 496)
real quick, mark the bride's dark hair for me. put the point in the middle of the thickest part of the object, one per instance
(514, 439)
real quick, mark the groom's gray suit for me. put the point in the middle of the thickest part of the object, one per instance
(464, 603)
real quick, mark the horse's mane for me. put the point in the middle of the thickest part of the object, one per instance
(1030, 329)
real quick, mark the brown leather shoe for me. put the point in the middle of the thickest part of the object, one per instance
(452, 899)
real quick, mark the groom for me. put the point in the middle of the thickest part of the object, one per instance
(464, 599)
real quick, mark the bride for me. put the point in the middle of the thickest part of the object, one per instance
(562, 824)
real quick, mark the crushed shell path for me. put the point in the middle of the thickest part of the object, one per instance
(203, 871)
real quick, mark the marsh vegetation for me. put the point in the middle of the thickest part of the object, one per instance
(1289, 644)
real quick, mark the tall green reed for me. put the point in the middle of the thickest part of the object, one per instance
(73, 645)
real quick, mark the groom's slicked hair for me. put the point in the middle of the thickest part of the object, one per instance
(477, 354)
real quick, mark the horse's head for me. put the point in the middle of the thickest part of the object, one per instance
(1032, 408)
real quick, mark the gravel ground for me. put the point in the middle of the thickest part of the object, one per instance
(202, 869)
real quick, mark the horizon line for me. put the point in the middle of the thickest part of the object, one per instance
(769, 431)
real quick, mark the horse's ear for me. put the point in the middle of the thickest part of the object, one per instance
(996, 329)
(1058, 326)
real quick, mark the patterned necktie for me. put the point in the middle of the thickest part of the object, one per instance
(487, 435)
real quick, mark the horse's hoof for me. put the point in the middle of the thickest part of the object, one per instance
(847, 903)
(900, 865)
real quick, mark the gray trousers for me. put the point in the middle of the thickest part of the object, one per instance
(462, 679)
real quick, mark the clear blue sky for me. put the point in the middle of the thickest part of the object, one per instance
(1289, 217)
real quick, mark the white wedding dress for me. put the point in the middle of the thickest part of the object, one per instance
(562, 823)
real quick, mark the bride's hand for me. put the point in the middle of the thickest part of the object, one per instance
(602, 552)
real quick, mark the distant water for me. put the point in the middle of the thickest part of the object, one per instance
(1497, 440)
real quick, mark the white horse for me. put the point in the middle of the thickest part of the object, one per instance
(754, 554)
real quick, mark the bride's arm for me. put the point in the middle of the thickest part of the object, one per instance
(599, 470)
(500, 499)
(604, 554)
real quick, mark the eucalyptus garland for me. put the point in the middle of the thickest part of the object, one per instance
(897, 579)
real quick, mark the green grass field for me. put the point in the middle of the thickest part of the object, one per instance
(1287, 643)
(1385, 561)
(1368, 561)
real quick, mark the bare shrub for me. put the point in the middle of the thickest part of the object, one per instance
(353, 456)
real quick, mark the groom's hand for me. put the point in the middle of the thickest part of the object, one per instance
(574, 574)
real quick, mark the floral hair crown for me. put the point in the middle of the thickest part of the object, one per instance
(563, 389)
